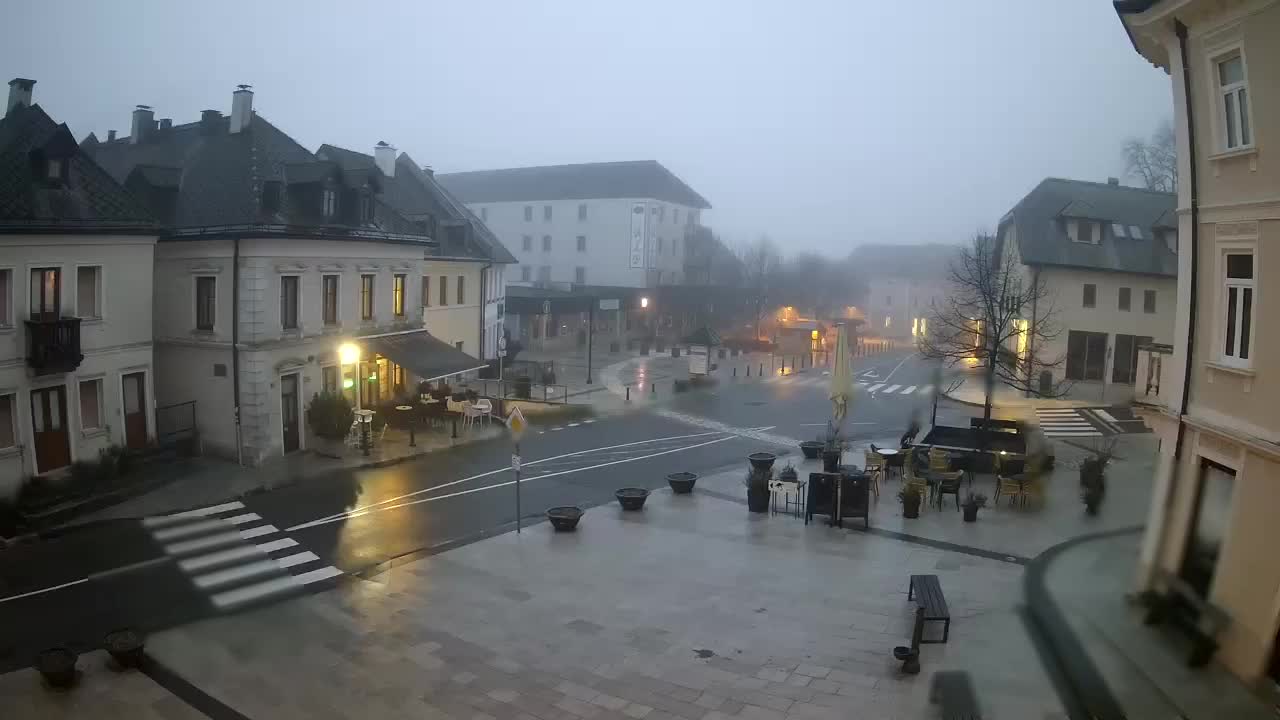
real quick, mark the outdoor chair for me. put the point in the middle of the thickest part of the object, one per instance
(890, 463)
(1012, 486)
(948, 483)
(912, 478)
(939, 460)
(873, 465)
(485, 408)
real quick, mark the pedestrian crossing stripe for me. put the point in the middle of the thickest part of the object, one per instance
(875, 389)
(1065, 423)
(234, 556)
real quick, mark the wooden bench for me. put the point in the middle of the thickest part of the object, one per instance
(1178, 603)
(953, 691)
(927, 592)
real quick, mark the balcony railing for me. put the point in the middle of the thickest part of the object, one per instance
(53, 345)
(1153, 383)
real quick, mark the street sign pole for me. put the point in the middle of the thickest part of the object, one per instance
(516, 424)
(516, 464)
(591, 331)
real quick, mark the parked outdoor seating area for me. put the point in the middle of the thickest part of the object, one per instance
(437, 407)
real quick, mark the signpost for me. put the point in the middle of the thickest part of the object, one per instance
(517, 425)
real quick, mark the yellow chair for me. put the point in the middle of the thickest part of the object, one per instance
(873, 463)
(939, 460)
(910, 478)
(1012, 487)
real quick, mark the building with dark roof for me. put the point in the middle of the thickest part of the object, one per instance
(1107, 256)
(76, 252)
(271, 257)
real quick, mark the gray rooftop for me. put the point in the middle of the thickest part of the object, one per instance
(641, 179)
(1041, 222)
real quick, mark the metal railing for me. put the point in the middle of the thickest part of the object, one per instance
(538, 392)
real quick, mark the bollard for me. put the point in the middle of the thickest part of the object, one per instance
(653, 388)
(455, 427)
(748, 371)
(628, 393)
(760, 372)
(411, 442)
(735, 372)
(784, 365)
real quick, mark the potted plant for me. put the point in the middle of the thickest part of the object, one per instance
(682, 482)
(971, 505)
(910, 499)
(329, 415)
(757, 483)
(789, 474)
(564, 518)
(1092, 483)
(631, 498)
(812, 449)
(762, 460)
(125, 647)
(57, 666)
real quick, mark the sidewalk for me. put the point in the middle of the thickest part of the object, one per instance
(692, 609)
(973, 392)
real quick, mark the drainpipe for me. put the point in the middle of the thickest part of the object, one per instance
(235, 343)
(1194, 185)
(484, 304)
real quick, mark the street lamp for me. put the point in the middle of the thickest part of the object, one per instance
(644, 302)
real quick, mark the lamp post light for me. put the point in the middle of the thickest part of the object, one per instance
(349, 354)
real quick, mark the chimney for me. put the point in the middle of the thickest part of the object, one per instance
(111, 136)
(143, 122)
(241, 108)
(19, 92)
(166, 123)
(209, 121)
(1113, 181)
(384, 156)
(428, 170)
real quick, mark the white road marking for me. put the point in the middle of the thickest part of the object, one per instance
(201, 562)
(258, 531)
(587, 422)
(274, 545)
(573, 424)
(239, 596)
(234, 574)
(45, 590)
(926, 389)
(208, 542)
(289, 561)
(889, 377)
(910, 389)
(556, 429)
(495, 472)
(242, 519)
(181, 531)
(874, 388)
(163, 520)
(892, 388)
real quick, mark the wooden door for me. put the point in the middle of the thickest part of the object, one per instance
(289, 411)
(135, 411)
(49, 425)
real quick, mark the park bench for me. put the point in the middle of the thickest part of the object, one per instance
(1179, 604)
(927, 592)
(953, 691)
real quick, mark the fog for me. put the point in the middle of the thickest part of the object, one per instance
(821, 124)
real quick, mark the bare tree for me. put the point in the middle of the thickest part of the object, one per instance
(761, 262)
(1154, 162)
(994, 316)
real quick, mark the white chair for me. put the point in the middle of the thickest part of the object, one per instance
(485, 407)
(469, 414)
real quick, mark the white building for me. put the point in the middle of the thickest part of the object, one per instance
(898, 307)
(274, 257)
(617, 224)
(1106, 256)
(75, 301)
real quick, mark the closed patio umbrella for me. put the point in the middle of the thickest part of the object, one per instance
(841, 392)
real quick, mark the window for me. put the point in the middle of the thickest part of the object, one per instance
(397, 295)
(91, 404)
(528, 213)
(1170, 239)
(525, 272)
(1135, 232)
(1124, 366)
(1086, 355)
(546, 243)
(8, 434)
(675, 246)
(1235, 102)
(484, 214)
(462, 292)
(55, 169)
(444, 291)
(1212, 520)
(289, 302)
(426, 291)
(544, 273)
(582, 243)
(1090, 295)
(329, 379)
(46, 293)
(87, 292)
(675, 216)
(366, 209)
(329, 201)
(526, 243)
(582, 212)
(1118, 230)
(1083, 231)
(6, 284)
(459, 346)
(1238, 300)
(206, 303)
(329, 285)
(366, 297)
(1148, 301)
(546, 213)
(662, 213)
(580, 275)
(1124, 298)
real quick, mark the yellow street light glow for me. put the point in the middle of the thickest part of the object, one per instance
(814, 334)
(348, 353)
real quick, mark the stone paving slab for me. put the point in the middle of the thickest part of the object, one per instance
(103, 693)
(690, 610)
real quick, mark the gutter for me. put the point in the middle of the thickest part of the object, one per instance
(1194, 185)
(484, 302)
(235, 344)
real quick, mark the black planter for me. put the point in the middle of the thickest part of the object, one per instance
(831, 460)
(675, 351)
(125, 647)
(615, 346)
(57, 666)
(811, 449)
(565, 518)
(682, 482)
(909, 658)
(970, 514)
(762, 461)
(631, 498)
(523, 387)
(758, 499)
(911, 509)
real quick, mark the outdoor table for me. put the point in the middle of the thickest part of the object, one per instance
(890, 456)
(786, 488)
(408, 409)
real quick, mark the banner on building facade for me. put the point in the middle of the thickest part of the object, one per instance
(638, 235)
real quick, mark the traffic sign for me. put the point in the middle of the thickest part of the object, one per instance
(502, 342)
(546, 307)
(515, 462)
(611, 304)
(516, 422)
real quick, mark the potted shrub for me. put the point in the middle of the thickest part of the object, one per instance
(329, 415)
(1092, 483)
(631, 498)
(57, 666)
(757, 483)
(682, 482)
(910, 499)
(789, 474)
(812, 449)
(564, 518)
(971, 505)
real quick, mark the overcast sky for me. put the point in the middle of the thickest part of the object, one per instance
(822, 124)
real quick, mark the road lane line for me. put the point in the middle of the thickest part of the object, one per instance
(45, 590)
(361, 513)
(874, 388)
(889, 377)
(505, 469)
(892, 389)
(258, 531)
(910, 389)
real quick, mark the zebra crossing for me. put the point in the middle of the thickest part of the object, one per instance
(872, 388)
(1065, 423)
(235, 557)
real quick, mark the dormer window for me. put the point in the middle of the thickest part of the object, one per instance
(1083, 231)
(1135, 232)
(1118, 230)
(329, 202)
(366, 209)
(55, 168)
